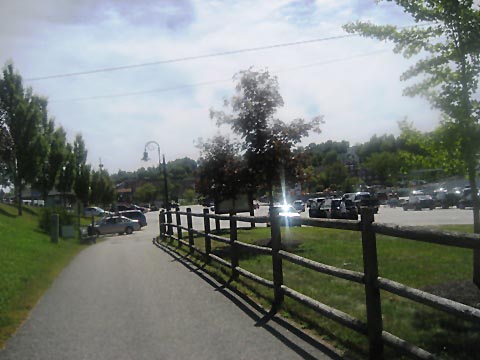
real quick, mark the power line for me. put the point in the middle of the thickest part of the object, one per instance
(206, 83)
(189, 58)
(197, 57)
(144, 92)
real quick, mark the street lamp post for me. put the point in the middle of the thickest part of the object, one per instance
(145, 158)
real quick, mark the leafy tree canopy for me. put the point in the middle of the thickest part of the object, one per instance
(267, 142)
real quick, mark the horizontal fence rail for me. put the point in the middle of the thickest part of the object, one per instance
(469, 241)
(370, 278)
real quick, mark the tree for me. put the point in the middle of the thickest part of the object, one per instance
(54, 160)
(384, 167)
(449, 73)
(103, 190)
(429, 150)
(22, 128)
(267, 141)
(146, 193)
(66, 177)
(221, 171)
(82, 170)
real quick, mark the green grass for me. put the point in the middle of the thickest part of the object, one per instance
(416, 264)
(29, 263)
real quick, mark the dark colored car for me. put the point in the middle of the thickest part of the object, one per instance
(446, 199)
(315, 210)
(135, 215)
(365, 199)
(343, 209)
(418, 201)
(467, 199)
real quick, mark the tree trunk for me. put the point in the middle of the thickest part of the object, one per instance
(476, 222)
(18, 189)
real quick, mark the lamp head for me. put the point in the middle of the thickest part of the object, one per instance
(145, 156)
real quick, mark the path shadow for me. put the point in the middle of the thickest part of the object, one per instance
(257, 313)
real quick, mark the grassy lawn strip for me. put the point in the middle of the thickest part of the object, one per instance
(420, 265)
(29, 263)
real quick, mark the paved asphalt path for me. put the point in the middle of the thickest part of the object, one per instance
(124, 298)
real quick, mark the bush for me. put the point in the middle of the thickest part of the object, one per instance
(45, 220)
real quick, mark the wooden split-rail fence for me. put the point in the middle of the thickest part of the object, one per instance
(373, 283)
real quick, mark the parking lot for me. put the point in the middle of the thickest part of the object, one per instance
(385, 214)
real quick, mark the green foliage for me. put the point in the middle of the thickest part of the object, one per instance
(82, 170)
(222, 172)
(433, 150)
(448, 73)
(146, 193)
(45, 222)
(385, 166)
(378, 144)
(267, 142)
(180, 174)
(24, 124)
(189, 196)
(32, 151)
(102, 188)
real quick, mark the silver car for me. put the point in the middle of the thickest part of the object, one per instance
(114, 225)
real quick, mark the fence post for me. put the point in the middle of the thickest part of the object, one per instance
(54, 227)
(169, 224)
(161, 218)
(252, 214)
(372, 291)
(179, 224)
(206, 225)
(190, 229)
(476, 267)
(277, 265)
(233, 246)
(217, 226)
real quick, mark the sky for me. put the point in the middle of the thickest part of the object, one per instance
(353, 82)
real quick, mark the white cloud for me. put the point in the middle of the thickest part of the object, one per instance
(359, 97)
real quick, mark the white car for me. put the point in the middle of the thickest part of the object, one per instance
(299, 205)
(93, 211)
(289, 216)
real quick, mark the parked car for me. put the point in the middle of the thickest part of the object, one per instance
(445, 199)
(316, 209)
(289, 216)
(418, 201)
(365, 199)
(114, 225)
(93, 211)
(342, 209)
(122, 207)
(135, 215)
(466, 200)
(299, 205)
(349, 196)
